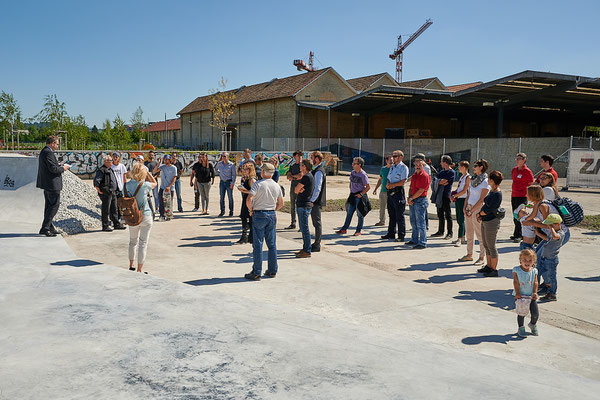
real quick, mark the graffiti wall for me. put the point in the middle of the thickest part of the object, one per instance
(85, 163)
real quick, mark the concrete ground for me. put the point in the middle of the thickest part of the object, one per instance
(364, 318)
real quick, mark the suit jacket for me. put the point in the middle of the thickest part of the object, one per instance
(49, 171)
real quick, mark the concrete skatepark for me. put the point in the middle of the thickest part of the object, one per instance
(364, 318)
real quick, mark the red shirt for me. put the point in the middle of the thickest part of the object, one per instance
(419, 181)
(552, 171)
(521, 178)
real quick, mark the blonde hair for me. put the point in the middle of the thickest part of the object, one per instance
(535, 193)
(139, 172)
(252, 170)
(528, 253)
(274, 160)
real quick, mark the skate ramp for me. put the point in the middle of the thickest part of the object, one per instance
(20, 200)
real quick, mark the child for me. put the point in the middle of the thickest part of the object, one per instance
(548, 261)
(525, 284)
(535, 196)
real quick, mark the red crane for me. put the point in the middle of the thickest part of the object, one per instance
(301, 64)
(398, 53)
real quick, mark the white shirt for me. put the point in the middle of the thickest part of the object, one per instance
(461, 186)
(475, 192)
(120, 171)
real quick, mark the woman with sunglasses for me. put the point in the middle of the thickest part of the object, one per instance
(478, 189)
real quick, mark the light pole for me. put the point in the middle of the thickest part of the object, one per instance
(60, 141)
(19, 132)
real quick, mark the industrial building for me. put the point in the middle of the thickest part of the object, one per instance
(322, 104)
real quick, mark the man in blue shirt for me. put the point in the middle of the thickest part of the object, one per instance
(318, 198)
(445, 180)
(396, 198)
(226, 171)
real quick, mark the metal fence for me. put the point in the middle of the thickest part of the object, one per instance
(500, 153)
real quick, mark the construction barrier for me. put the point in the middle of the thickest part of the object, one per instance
(584, 168)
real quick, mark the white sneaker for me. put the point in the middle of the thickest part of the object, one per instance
(194, 210)
(456, 242)
(161, 219)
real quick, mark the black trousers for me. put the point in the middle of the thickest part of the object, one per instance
(396, 204)
(315, 215)
(109, 209)
(516, 202)
(52, 201)
(444, 214)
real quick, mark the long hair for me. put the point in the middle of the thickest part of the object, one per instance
(251, 169)
(552, 182)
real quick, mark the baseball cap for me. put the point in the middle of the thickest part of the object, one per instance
(167, 157)
(268, 168)
(140, 157)
(116, 154)
(552, 219)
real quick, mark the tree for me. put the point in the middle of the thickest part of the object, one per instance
(10, 113)
(79, 133)
(54, 112)
(106, 135)
(119, 134)
(138, 124)
(222, 105)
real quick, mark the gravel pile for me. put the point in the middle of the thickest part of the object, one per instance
(80, 206)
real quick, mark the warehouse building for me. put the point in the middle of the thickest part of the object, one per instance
(322, 104)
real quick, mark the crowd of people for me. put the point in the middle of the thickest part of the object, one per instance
(477, 199)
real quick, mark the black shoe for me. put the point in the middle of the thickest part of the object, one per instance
(437, 234)
(388, 236)
(448, 236)
(120, 227)
(491, 274)
(419, 247)
(48, 233)
(107, 229)
(315, 249)
(484, 269)
(250, 276)
(243, 240)
(543, 289)
(53, 230)
(400, 239)
(221, 214)
(269, 274)
(231, 213)
(549, 297)
(410, 243)
(132, 269)
(292, 226)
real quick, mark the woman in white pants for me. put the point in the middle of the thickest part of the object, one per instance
(478, 189)
(138, 235)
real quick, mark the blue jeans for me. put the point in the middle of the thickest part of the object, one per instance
(547, 267)
(178, 191)
(418, 212)
(263, 227)
(225, 186)
(155, 194)
(350, 212)
(303, 214)
(538, 253)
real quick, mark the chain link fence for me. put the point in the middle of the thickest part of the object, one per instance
(500, 153)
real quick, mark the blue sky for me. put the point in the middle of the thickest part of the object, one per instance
(109, 57)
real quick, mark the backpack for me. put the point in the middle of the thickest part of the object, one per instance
(570, 210)
(129, 208)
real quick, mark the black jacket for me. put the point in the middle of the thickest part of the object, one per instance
(49, 171)
(322, 197)
(105, 179)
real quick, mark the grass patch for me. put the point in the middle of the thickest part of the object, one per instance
(334, 205)
(591, 222)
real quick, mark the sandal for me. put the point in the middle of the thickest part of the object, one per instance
(131, 268)
(466, 258)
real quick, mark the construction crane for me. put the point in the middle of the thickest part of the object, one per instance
(301, 64)
(398, 53)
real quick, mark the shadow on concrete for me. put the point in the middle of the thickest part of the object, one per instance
(429, 266)
(249, 259)
(588, 279)
(216, 281)
(503, 339)
(208, 243)
(376, 249)
(596, 233)
(18, 235)
(438, 279)
(84, 210)
(77, 263)
(500, 298)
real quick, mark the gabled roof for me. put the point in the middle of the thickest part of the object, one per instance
(424, 84)
(274, 89)
(172, 125)
(364, 82)
(463, 86)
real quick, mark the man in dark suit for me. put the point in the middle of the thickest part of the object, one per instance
(50, 179)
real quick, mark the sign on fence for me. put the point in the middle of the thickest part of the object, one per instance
(584, 168)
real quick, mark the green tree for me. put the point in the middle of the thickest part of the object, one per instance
(79, 133)
(137, 121)
(10, 113)
(106, 135)
(119, 134)
(54, 112)
(222, 105)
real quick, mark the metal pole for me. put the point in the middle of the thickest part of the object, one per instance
(359, 146)
(328, 129)
(339, 144)
(571, 142)
(303, 145)
(288, 144)
(12, 136)
(591, 143)
(520, 144)
(444, 147)
(477, 158)
(383, 152)
(410, 151)
(320, 144)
